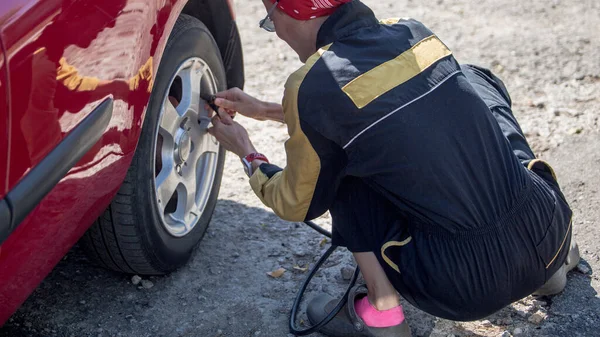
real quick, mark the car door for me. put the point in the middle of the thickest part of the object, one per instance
(49, 46)
(74, 125)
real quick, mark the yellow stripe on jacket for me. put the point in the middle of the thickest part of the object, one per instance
(290, 191)
(367, 87)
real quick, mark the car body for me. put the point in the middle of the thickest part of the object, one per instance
(65, 149)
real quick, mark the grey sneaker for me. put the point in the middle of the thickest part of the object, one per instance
(558, 281)
(347, 323)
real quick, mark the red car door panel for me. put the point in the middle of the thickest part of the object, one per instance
(58, 73)
(5, 215)
(77, 68)
(3, 124)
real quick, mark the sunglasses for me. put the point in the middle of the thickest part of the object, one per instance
(267, 22)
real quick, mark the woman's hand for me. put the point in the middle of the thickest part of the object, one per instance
(232, 136)
(235, 100)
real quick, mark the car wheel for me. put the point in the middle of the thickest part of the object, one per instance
(165, 204)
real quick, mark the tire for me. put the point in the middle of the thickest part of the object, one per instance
(132, 236)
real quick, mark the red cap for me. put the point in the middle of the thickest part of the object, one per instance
(309, 9)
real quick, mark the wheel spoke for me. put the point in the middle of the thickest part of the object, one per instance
(206, 175)
(203, 141)
(170, 119)
(166, 184)
(190, 82)
(209, 144)
(190, 203)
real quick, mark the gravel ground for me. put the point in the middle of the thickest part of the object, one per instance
(547, 53)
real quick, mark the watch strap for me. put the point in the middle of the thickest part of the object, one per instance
(247, 161)
(254, 156)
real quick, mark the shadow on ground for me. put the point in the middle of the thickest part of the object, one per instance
(224, 290)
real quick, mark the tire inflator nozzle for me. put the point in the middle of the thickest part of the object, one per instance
(210, 100)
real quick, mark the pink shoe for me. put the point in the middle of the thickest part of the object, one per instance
(347, 323)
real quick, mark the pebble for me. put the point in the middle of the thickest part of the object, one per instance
(571, 112)
(486, 323)
(517, 331)
(540, 104)
(540, 303)
(536, 318)
(147, 284)
(300, 253)
(235, 254)
(505, 334)
(582, 268)
(219, 332)
(274, 252)
(82, 302)
(575, 131)
(347, 273)
(135, 280)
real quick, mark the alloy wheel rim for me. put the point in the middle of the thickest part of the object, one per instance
(186, 155)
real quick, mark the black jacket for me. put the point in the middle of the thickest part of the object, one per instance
(387, 102)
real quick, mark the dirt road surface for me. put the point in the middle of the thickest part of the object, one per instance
(548, 54)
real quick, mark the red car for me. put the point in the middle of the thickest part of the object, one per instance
(103, 132)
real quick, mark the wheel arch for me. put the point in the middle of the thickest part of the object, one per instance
(218, 16)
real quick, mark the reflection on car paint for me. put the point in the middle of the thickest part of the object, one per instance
(84, 51)
(53, 95)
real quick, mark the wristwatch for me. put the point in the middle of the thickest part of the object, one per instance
(247, 161)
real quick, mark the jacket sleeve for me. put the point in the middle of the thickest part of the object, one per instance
(306, 187)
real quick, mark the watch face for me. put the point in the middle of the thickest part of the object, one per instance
(247, 167)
